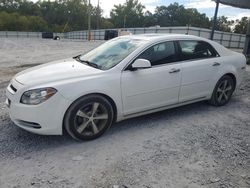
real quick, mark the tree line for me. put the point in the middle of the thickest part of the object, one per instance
(69, 15)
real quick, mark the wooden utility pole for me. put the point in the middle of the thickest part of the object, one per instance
(215, 19)
(89, 21)
(98, 16)
(124, 21)
(246, 50)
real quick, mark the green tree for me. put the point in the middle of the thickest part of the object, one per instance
(68, 15)
(241, 25)
(130, 14)
(9, 6)
(106, 24)
(173, 15)
(36, 23)
(223, 24)
(162, 16)
(149, 19)
(16, 22)
(196, 19)
(178, 15)
(59, 15)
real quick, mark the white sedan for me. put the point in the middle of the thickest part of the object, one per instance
(123, 78)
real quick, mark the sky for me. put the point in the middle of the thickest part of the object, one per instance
(203, 6)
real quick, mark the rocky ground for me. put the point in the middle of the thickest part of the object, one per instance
(192, 146)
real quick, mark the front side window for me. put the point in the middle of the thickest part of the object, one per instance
(111, 53)
(160, 53)
(196, 50)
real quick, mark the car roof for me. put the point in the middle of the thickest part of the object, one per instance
(155, 37)
(158, 37)
(148, 40)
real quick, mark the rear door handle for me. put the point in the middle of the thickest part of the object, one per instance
(174, 70)
(216, 64)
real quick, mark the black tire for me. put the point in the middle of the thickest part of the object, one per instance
(56, 38)
(223, 91)
(83, 119)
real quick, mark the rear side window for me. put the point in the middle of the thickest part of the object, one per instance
(196, 50)
(159, 54)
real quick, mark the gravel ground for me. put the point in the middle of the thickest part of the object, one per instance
(191, 146)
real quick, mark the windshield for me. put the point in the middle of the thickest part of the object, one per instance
(111, 53)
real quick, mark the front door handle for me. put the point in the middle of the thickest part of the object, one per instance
(216, 64)
(174, 70)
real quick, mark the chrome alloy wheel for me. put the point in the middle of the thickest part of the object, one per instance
(91, 119)
(224, 91)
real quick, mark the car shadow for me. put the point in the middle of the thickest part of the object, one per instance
(155, 119)
(15, 142)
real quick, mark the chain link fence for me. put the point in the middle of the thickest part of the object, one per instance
(229, 40)
(22, 34)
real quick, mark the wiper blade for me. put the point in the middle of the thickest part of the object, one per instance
(77, 58)
(91, 64)
(86, 62)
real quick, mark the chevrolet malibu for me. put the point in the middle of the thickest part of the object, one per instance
(125, 77)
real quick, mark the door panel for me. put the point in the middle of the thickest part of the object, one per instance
(150, 88)
(196, 77)
(197, 69)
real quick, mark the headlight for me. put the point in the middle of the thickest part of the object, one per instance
(37, 96)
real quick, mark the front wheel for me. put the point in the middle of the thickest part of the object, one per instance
(88, 117)
(223, 91)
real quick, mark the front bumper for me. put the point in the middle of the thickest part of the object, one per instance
(45, 118)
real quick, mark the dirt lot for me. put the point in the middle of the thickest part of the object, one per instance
(192, 146)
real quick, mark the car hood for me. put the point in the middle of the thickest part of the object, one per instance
(55, 71)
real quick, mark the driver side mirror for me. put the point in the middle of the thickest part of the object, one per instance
(141, 64)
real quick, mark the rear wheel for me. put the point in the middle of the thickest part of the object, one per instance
(89, 117)
(223, 91)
